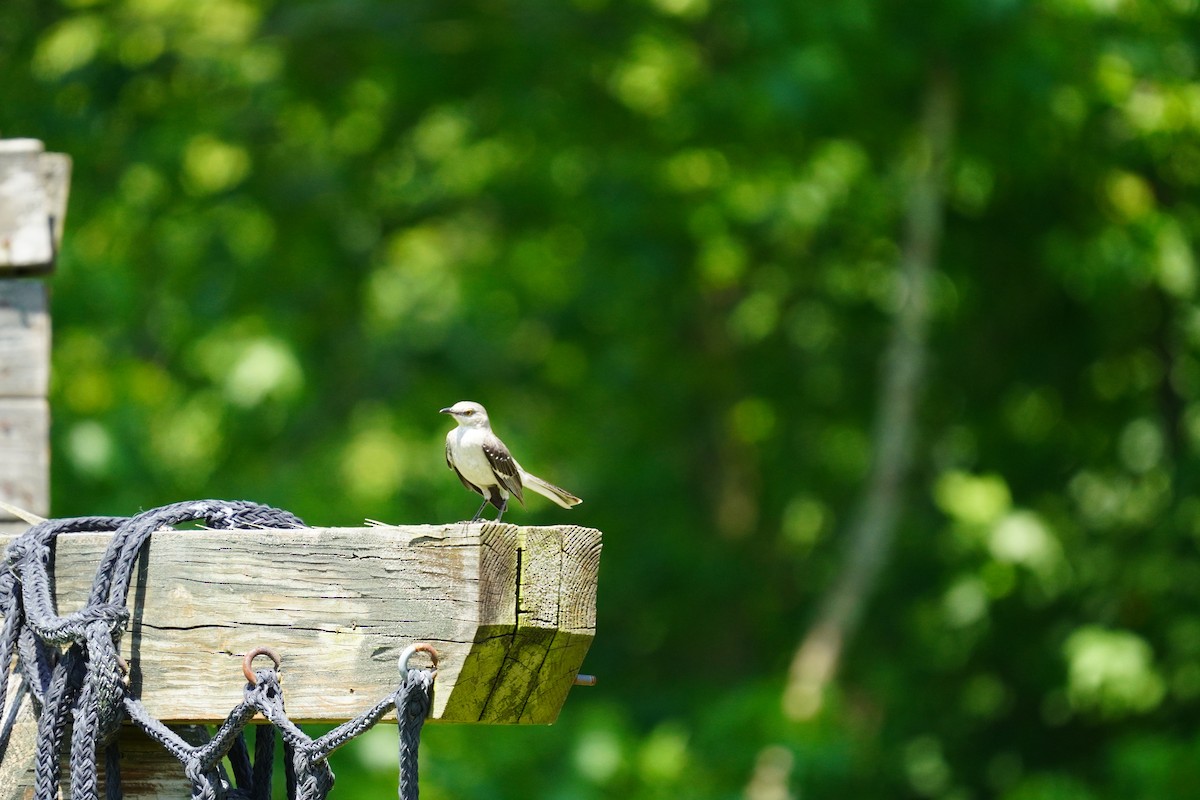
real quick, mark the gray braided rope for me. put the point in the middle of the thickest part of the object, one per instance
(412, 702)
(85, 685)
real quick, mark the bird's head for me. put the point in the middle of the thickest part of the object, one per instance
(468, 414)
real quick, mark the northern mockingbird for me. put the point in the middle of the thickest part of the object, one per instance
(484, 465)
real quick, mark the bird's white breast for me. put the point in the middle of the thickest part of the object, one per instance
(466, 448)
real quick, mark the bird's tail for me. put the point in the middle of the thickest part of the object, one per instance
(549, 490)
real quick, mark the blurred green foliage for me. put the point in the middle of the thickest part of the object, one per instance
(658, 240)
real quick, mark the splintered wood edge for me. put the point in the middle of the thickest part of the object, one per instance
(453, 586)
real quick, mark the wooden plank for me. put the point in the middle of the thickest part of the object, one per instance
(33, 200)
(24, 338)
(339, 604)
(25, 454)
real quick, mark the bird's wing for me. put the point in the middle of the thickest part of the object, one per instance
(508, 474)
(465, 482)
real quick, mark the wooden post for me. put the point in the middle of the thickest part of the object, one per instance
(33, 202)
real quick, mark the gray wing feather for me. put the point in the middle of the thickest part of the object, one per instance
(506, 470)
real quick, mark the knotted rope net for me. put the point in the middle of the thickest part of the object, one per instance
(72, 668)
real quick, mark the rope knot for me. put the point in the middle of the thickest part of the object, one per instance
(265, 692)
(106, 679)
(112, 616)
(109, 617)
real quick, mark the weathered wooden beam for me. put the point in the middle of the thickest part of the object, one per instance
(511, 611)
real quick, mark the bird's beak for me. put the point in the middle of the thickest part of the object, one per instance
(444, 411)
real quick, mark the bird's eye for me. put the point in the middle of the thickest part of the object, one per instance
(469, 412)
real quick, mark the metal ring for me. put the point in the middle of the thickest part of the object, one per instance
(248, 662)
(407, 653)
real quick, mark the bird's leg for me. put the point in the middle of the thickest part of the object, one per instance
(503, 508)
(479, 513)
